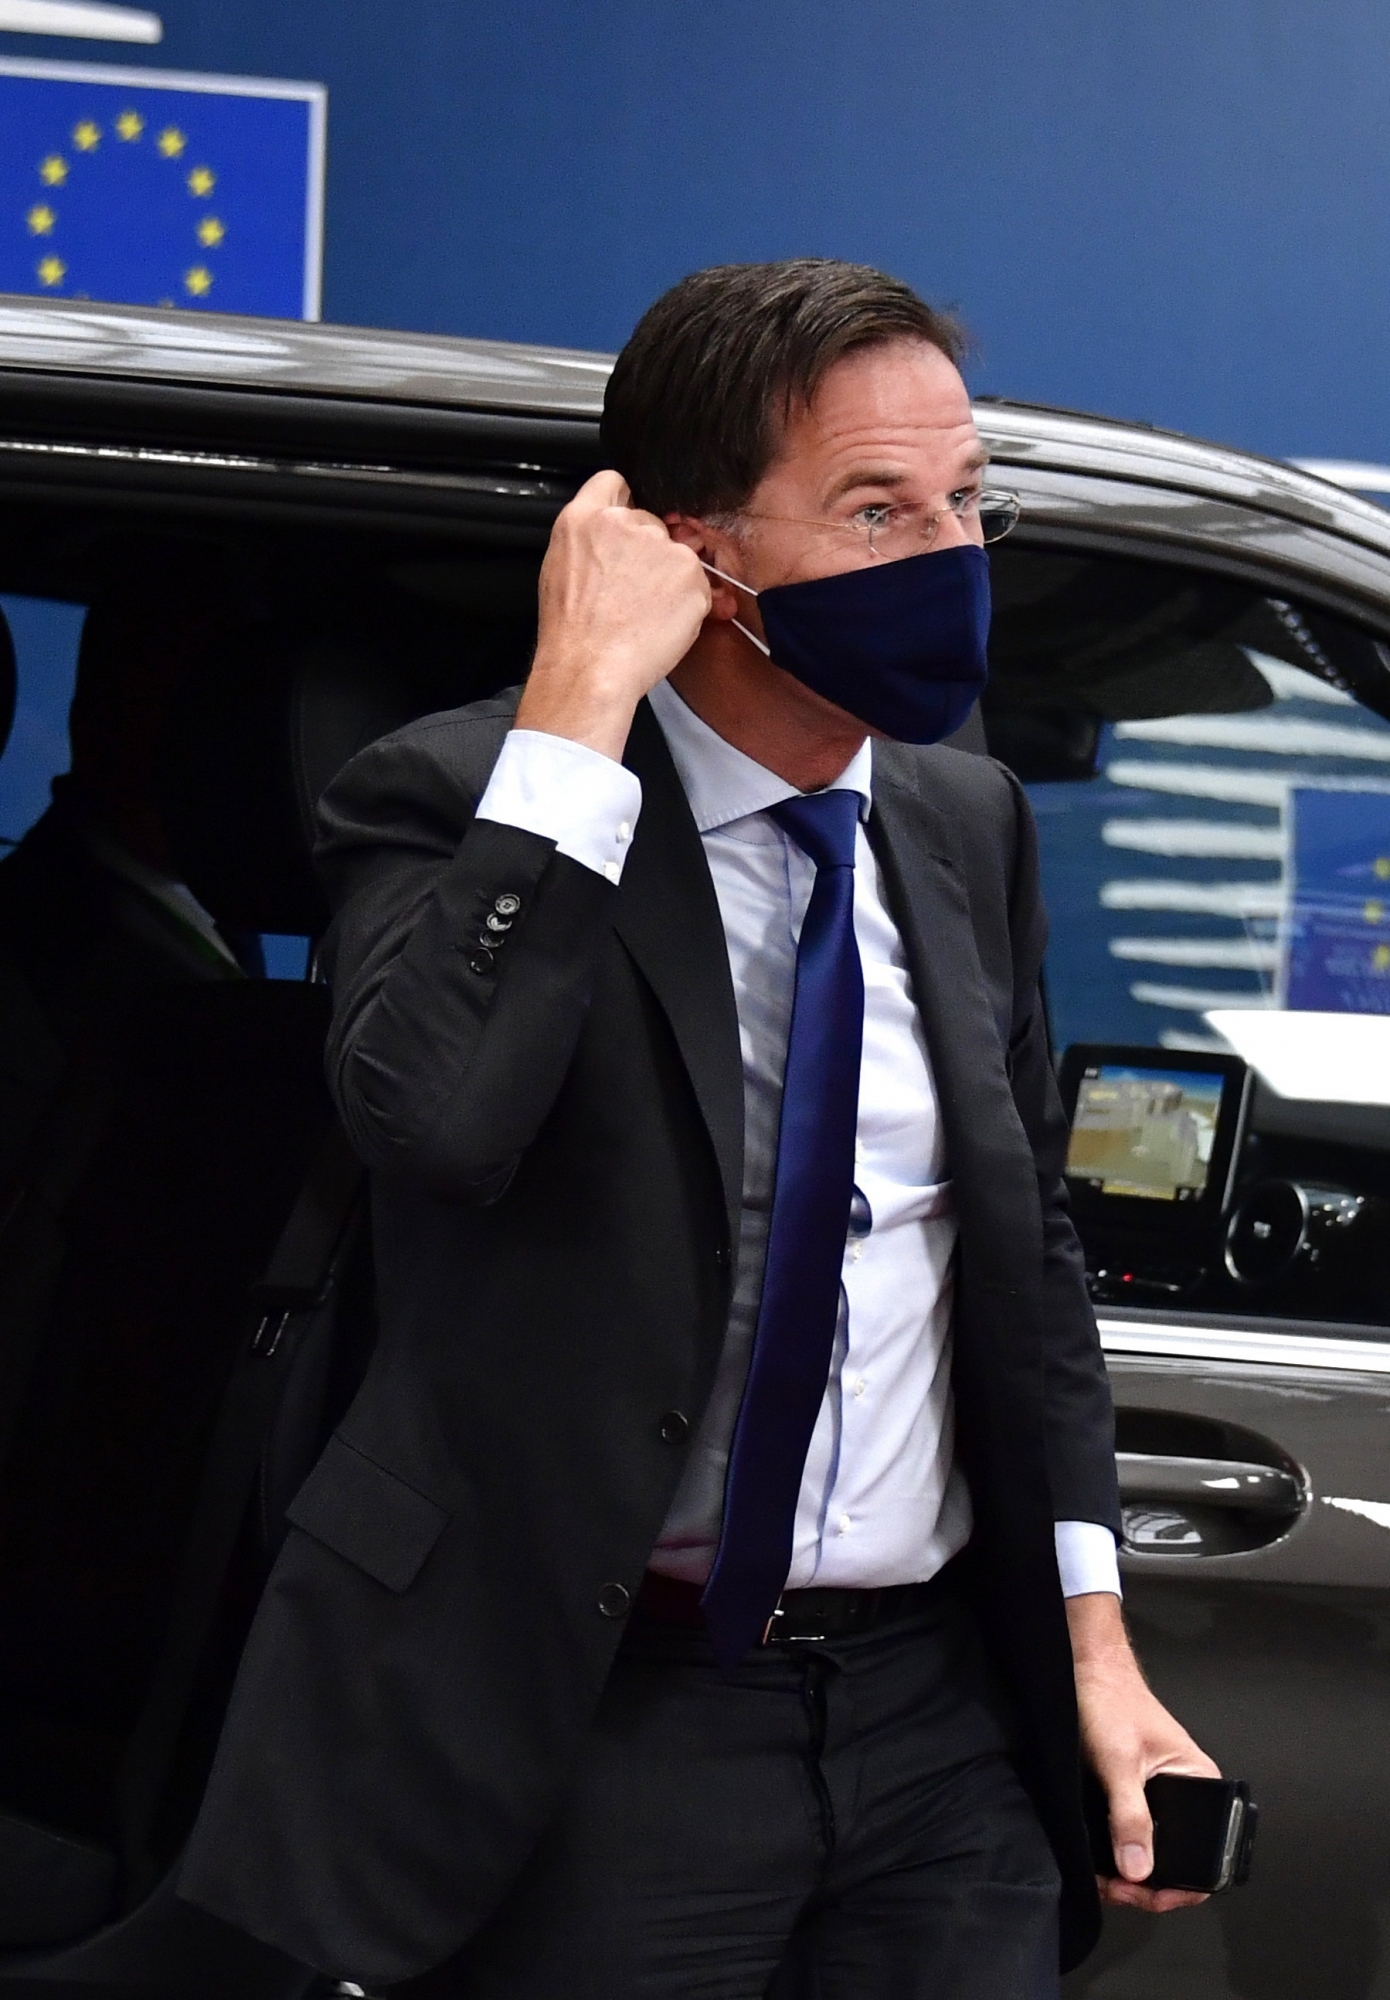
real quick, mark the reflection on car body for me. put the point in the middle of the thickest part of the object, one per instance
(334, 531)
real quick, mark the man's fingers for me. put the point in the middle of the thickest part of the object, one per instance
(1131, 1831)
(601, 489)
(1131, 1896)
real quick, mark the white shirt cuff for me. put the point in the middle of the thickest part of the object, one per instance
(577, 797)
(1087, 1559)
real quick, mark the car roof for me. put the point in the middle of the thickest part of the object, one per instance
(377, 368)
(299, 358)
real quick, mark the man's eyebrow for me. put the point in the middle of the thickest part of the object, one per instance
(868, 475)
(892, 475)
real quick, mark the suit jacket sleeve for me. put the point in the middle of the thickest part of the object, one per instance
(446, 1052)
(1079, 1414)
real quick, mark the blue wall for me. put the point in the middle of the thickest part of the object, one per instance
(1175, 210)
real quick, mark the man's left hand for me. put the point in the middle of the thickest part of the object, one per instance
(1127, 1736)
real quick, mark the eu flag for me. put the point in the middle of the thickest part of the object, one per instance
(1338, 953)
(151, 187)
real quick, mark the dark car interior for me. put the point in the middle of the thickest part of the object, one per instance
(185, 1280)
(185, 1270)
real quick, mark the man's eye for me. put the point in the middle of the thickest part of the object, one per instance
(964, 498)
(876, 514)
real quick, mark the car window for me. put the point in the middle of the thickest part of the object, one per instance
(45, 638)
(1209, 768)
(1212, 790)
(1219, 861)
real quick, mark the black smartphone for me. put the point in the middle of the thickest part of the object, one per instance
(1204, 1831)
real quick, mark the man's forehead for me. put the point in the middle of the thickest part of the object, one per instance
(881, 452)
(906, 397)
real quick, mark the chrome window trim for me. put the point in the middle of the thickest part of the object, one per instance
(1157, 1341)
(553, 489)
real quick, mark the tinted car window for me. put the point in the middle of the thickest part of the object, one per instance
(1180, 874)
(1211, 779)
(45, 638)
(1210, 772)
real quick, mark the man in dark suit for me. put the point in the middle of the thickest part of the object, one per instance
(702, 1593)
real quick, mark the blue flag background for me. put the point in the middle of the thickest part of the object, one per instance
(1339, 934)
(144, 187)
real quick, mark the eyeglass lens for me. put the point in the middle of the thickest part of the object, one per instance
(998, 513)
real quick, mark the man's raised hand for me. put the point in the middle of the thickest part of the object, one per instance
(620, 604)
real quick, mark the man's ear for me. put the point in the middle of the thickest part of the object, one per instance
(714, 549)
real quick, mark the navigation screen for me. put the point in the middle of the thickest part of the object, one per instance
(1145, 1132)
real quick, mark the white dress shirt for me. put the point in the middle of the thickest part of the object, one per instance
(881, 1499)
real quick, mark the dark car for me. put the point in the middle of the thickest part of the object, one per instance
(253, 547)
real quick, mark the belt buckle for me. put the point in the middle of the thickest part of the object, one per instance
(770, 1638)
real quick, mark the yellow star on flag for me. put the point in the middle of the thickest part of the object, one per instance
(1382, 868)
(198, 281)
(1380, 958)
(41, 219)
(202, 180)
(210, 232)
(1374, 911)
(53, 171)
(51, 270)
(86, 136)
(171, 142)
(129, 125)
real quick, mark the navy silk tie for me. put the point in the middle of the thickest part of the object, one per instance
(812, 1192)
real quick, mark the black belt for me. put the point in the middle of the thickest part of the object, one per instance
(803, 1615)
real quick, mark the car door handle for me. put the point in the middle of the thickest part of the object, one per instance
(1209, 1482)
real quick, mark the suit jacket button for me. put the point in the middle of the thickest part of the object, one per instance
(674, 1427)
(480, 962)
(614, 1601)
(507, 904)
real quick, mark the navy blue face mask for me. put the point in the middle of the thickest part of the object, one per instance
(900, 645)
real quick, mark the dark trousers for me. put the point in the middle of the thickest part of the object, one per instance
(837, 1821)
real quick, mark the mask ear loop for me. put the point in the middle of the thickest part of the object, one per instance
(748, 591)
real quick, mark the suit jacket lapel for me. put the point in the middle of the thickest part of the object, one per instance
(927, 894)
(668, 918)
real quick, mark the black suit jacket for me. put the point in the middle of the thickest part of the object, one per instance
(556, 1132)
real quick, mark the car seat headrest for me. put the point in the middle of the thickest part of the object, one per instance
(347, 697)
(228, 791)
(260, 730)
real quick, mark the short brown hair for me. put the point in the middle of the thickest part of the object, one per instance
(697, 399)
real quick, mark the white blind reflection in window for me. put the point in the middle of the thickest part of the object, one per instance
(1218, 861)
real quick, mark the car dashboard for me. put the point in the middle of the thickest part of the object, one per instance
(1198, 1187)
